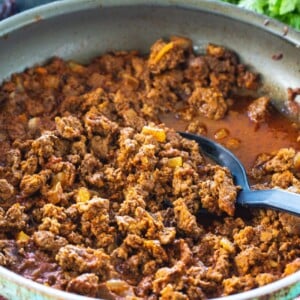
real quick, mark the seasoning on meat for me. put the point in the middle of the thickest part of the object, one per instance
(98, 197)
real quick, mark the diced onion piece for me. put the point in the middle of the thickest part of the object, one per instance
(158, 133)
(233, 143)
(77, 68)
(83, 195)
(22, 237)
(175, 162)
(273, 263)
(55, 194)
(120, 287)
(227, 245)
(34, 123)
(221, 134)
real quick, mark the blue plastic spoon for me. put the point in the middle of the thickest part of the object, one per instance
(274, 198)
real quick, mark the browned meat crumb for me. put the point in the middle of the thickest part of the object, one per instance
(85, 284)
(218, 192)
(68, 127)
(258, 109)
(209, 102)
(83, 260)
(6, 190)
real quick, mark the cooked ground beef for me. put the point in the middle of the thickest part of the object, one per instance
(99, 198)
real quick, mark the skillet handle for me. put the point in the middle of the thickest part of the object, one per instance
(274, 198)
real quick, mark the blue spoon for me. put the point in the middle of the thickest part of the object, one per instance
(273, 198)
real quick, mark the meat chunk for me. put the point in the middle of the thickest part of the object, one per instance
(292, 267)
(91, 170)
(283, 160)
(13, 219)
(83, 260)
(165, 276)
(96, 123)
(46, 240)
(137, 253)
(258, 109)
(167, 55)
(185, 220)
(150, 225)
(208, 102)
(132, 119)
(218, 193)
(33, 183)
(68, 127)
(43, 146)
(100, 147)
(30, 165)
(169, 293)
(248, 258)
(6, 190)
(84, 284)
(236, 284)
(290, 223)
(283, 180)
(265, 278)
(8, 248)
(95, 221)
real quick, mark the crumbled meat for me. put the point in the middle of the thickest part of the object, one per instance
(169, 293)
(218, 193)
(6, 190)
(95, 221)
(32, 183)
(292, 267)
(282, 161)
(8, 250)
(95, 122)
(290, 224)
(265, 278)
(208, 102)
(276, 162)
(13, 219)
(185, 220)
(46, 240)
(258, 109)
(292, 105)
(68, 127)
(100, 198)
(84, 284)
(248, 258)
(238, 284)
(168, 55)
(82, 260)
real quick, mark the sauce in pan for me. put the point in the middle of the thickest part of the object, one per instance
(245, 138)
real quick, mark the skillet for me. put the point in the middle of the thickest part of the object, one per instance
(80, 30)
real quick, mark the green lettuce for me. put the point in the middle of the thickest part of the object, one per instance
(287, 11)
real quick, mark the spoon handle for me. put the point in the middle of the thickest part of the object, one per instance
(275, 198)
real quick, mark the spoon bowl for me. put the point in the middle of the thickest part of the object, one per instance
(273, 198)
